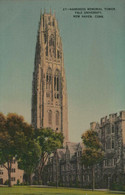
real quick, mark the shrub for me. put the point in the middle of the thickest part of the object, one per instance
(18, 182)
(51, 184)
(117, 186)
(6, 182)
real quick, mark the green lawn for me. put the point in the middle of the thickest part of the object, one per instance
(26, 190)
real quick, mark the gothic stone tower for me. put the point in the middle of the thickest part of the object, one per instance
(49, 94)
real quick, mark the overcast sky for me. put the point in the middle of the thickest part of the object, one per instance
(94, 58)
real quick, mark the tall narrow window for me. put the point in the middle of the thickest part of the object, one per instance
(113, 144)
(108, 143)
(45, 38)
(49, 79)
(56, 80)
(57, 53)
(46, 50)
(57, 83)
(113, 129)
(50, 117)
(51, 42)
(57, 117)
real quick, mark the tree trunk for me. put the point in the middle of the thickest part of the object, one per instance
(38, 173)
(40, 168)
(56, 170)
(9, 173)
(30, 179)
(93, 178)
(44, 160)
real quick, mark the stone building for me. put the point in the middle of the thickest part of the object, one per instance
(49, 94)
(16, 174)
(112, 136)
(66, 168)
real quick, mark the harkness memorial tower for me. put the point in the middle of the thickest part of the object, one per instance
(49, 94)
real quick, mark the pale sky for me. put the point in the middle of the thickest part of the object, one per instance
(94, 58)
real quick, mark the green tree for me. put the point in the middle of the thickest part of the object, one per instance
(17, 141)
(28, 150)
(30, 147)
(8, 127)
(29, 158)
(92, 154)
(49, 141)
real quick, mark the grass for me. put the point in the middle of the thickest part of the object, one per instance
(28, 190)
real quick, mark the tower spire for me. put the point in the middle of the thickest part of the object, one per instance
(41, 12)
(50, 11)
(49, 98)
(54, 12)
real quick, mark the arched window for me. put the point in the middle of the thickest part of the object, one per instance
(50, 117)
(49, 79)
(52, 46)
(52, 41)
(57, 117)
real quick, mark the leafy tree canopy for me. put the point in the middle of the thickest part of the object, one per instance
(49, 141)
(19, 140)
(91, 140)
(16, 141)
(92, 154)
